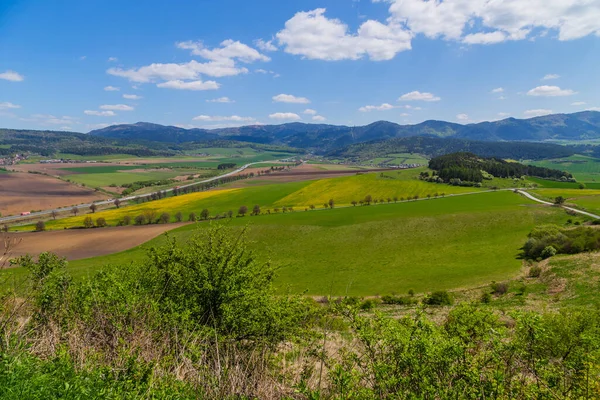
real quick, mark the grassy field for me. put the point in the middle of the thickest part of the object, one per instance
(584, 168)
(443, 243)
(121, 178)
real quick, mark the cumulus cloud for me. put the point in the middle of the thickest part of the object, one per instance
(221, 100)
(111, 89)
(213, 118)
(381, 107)
(100, 113)
(285, 116)
(8, 105)
(288, 98)
(11, 76)
(229, 50)
(550, 91)
(310, 111)
(462, 117)
(187, 71)
(498, 90)
(418, 96)
(550, 76)
(537, 112)
(578, 103)
(318, 118)
(116, 107)
(314, 36)
(132, 97)
(189, 85)
(113, 59)
(265, 45)
(514, 19)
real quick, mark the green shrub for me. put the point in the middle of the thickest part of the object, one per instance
(548, 252)
(535, 272)
(499, 288)
(439, 298)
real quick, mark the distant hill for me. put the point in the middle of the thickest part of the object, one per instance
(324, 137)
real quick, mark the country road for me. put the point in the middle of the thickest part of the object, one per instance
(13, 218)
(531, 197)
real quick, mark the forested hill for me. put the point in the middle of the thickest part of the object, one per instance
(323, 137)
(472, 168)
(432, 147)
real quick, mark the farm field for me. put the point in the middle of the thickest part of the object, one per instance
(25, 192)
(74, 244)
(300, 194)
(584, 168)
(588, 199)
(442, 243)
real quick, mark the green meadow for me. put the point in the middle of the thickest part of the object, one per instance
(584, 168)
(443, 243)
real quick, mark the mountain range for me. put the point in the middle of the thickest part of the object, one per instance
(323, 137)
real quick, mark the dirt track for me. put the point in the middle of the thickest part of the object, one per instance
(84, 243)
(25, 192)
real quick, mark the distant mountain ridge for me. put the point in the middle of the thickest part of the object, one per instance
(324, 137)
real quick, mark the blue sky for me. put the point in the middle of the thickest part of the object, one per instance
(230, 62)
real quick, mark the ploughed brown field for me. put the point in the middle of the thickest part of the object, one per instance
(304, 172)
(21, 192)
(75, 244)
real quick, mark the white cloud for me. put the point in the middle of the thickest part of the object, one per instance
(64, 120)
(100, 113)
(418, 96)
(485, 38)
(285, 115)
(502, 98)
(132, 97)
(550, 91)
(188, 71)
(405, 115)
(113, 59)
(189, 85)
(116, 107)
(462, 117)
(11, 76)
(514, 19)
(288, 98)
(265, 45)
(318, 118)
(592, 109)
(314, 36)
(409, 107)
(537, 113)
(310, 111)
(111, 89)
(503, 114)
(229, 50)
(82, 58)
(213, 118)
(221, 100)
(498, 90)
(550, 76)
(6, 105)
(578, 103)
(382, 107)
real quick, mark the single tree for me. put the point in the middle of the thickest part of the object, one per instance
(276, 210)
(178, 216)
(75, 211)
(354, 202)
(325, 205)
(428, 196)
(100, 222)
(117, 203)
(54, 214)
(243, 210)
(127, 220)
(88, 222)
(389, 200)
(331, 203)
(140, 220)
(164, 218)
(559, 200)
(312, 206)
(376, 201)
(192, 217)
(93, 207)
(256, 209)
(40, 226)
(151, 216)
(204, 213)
(395, 199)
(284, 209)
(230, 213)
(368, 199)
(290, 209)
